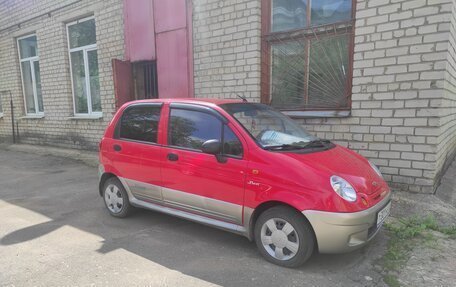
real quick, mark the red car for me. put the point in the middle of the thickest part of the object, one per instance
(243, 167)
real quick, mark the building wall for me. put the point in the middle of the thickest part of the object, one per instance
(400, 116)
(403, 96)
(399, 65)
(446, 149)
(57, 128)
(226, 48)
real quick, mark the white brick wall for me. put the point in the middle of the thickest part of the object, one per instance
(403, 113)
(226, 46)
(56, 128)
(402, 79)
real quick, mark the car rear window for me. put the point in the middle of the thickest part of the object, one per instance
(140, 123)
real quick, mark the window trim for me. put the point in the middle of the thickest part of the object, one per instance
(266, 60)
(85, 49)
(31, 61)
(1, 107)
(206, 110)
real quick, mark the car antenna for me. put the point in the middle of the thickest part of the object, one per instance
(243, 98)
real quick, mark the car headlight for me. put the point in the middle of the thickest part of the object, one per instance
(375, 168)
(343, 188)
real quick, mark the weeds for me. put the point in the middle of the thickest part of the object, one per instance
(405, 234)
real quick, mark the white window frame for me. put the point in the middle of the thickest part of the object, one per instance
(31, 61)
(1, 106)
(84, 49)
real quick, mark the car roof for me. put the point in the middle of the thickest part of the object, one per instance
(200, 101)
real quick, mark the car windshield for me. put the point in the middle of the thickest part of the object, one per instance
(270, 128)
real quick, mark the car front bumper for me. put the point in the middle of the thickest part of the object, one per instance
(343, 232)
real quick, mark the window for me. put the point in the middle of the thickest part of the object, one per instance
(307, 47)
(231, 144)
(190, 129)
(84, 67)
(145, 80)
(30, 71)
(140, 123)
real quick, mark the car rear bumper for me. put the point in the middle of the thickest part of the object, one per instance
(344, 232)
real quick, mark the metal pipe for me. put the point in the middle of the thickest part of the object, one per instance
(12, 117)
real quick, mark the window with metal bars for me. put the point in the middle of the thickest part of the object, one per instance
(307, 49)
(145, 80)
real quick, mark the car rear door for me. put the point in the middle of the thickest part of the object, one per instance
(197, 182)
(137, 152)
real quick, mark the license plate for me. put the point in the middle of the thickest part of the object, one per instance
(383, 214)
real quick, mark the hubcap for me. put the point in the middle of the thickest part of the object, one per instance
(113, 198)
(279, 239)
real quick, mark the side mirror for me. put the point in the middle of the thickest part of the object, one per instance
(212, 147)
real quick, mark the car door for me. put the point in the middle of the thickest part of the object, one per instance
(195, 181)
(136, 135)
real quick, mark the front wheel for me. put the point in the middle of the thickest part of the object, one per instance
(284, 237)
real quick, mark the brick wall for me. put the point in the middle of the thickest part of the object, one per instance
(446, 149)
(56, 128)
(226, 46)
(402, 115)
(398, 87)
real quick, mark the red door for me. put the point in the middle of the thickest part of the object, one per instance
(198, 182)
(137, 137)
(123, 85)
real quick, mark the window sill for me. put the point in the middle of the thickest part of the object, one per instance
(318, 114)
(31, 117)
(90, 117)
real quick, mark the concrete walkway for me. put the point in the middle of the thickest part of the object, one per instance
(90, 158)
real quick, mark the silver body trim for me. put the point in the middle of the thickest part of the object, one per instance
(194, 207)
(208, 206)
(145, 190)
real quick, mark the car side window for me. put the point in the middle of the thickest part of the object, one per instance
(140, 123)
(231, 144)
(190, 129)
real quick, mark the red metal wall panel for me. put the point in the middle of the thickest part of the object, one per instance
(172, 64)
(170, 15)
(139, 30)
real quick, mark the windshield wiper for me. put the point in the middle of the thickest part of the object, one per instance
(283, 147)
(317, 143)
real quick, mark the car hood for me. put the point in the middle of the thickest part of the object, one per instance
(345, 163)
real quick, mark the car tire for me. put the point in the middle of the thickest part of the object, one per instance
(284, 237)
(116, 199)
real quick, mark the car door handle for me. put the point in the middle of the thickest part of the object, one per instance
(117, 147)
(172, 157)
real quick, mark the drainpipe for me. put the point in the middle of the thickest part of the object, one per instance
(12, 117)
(12, 112)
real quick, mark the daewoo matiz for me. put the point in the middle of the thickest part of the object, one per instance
(242, 167)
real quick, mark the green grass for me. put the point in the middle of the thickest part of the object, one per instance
(406, 234)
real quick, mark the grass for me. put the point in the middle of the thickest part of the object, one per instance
(405, 234)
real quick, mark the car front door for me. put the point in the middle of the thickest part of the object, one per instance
(195, 181)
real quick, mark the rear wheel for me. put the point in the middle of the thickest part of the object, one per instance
(284, 237)
(116, 198)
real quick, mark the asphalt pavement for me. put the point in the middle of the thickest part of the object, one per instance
(55, 231)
